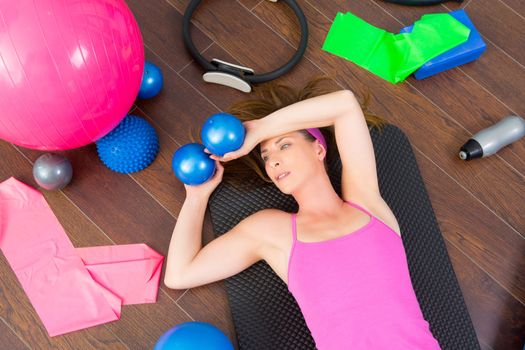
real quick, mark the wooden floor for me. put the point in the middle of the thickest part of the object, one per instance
(479, 205)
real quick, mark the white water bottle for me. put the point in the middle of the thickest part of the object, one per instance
(488, 141)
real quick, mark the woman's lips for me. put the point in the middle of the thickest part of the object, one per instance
(283, 176)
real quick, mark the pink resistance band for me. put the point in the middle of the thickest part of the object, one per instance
(70, 288)
(319, 136)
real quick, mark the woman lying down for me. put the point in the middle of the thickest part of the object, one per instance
(342, 258)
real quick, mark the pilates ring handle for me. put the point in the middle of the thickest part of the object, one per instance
(420, 2)
(235, 76)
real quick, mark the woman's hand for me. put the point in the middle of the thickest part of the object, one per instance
(205, 189)
(252, 137)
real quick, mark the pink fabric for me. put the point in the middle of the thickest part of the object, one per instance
(70, 288)
(355, 291)
(315, 132)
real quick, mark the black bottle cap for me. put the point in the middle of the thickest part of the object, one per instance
(471, 149)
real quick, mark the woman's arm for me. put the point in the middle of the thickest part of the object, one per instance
(186, 239)
(315, 112)
(342, 110)
(189, 265)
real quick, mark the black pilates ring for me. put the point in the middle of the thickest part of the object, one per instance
(239, 75)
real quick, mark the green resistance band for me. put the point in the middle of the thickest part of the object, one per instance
(393, 57)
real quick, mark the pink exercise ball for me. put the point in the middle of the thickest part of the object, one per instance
(70, 70)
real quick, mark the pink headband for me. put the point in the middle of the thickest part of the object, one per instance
(319, 136)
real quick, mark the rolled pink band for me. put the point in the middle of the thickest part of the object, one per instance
(319, 136)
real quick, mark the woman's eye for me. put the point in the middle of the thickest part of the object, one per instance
(265, 158)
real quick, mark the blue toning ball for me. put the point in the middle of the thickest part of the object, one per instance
(194, 336)
(152, 81)
(222, 133)
(192, 165)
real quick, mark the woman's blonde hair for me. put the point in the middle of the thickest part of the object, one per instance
(272, 97)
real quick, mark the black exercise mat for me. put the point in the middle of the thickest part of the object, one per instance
(266, 315)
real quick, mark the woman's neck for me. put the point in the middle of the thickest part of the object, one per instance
(317, 197)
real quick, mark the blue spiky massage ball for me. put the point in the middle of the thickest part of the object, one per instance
(130, 147)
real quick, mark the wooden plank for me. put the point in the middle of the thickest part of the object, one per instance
(9, 339)
(485, 346)
(250, 4)
(141, 325)
(499, 319)
(407, 15)
(516, 6)
(501, 25)
(218, 313)
(161, 29)
(470, 226)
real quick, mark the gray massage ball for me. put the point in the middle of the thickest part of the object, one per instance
(52, 171)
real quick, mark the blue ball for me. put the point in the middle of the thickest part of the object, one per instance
(151, 81)
(193, 336)
(222, 133)
(192, 165)
(130, 147)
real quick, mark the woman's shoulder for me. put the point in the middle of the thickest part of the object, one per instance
(378, 207)
(269, 224)
(268, 218)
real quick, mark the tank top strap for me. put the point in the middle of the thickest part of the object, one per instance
(360, 208)
(294, 229)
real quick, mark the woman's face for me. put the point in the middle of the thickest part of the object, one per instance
(291, 159)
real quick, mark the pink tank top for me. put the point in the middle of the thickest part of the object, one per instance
(355, 291)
